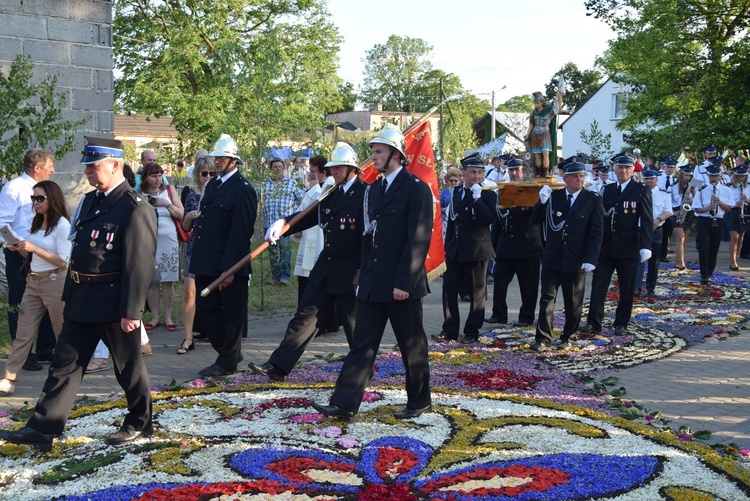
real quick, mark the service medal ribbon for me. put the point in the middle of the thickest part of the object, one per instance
(94, 234)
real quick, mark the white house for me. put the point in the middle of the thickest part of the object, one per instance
(607, 106)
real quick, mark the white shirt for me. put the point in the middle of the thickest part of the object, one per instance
(661, 182)
(703, 199)
(16, 209)
(390, 177)
(56, 243)
(496, 174)
(662, 202)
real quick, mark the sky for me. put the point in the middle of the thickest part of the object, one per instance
(489, 44)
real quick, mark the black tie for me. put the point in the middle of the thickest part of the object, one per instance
(570, 201)
(385, 185)
(619, 189)
(669, 182)
(97, 200)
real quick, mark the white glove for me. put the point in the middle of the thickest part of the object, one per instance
(588, 267)
(645, 255)
(476, 191)
(544, 194)
(328, 182)
(274, 232)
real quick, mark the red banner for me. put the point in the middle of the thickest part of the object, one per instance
(421, 164)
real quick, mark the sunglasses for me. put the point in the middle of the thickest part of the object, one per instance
(38, 198)
(207, 173)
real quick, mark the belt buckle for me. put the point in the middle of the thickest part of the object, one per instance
(74, 276)
(35, 275)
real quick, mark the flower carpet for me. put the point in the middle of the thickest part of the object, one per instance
(506, 424)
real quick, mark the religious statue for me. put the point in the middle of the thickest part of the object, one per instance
(542, 134)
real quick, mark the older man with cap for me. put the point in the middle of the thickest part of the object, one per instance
(571, 222)
(602, 179)
(662, 210)
(468, 247)
(628, 230)
(518, 253)
(221, 237)
(333, 279)
(398, 213)
(710, 204)
(111, 265)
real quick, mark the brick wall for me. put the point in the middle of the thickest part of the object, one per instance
(73, 40)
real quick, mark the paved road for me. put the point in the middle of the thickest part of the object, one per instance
(703, 387)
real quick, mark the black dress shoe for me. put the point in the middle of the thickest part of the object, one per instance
(469, 339)
(444, 337)
(565, 345)
(495, 320)
(269, 370)
(621, 330)
(334, 411)
(127, 434)
(465, 298)
(28, 436)
(32, 366)
(407, 413)
(521, 324)
(589, 329)
(214, 370)
(540, 346)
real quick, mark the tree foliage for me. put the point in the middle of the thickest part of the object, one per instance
(256, 69)
(688, 64)
(600, 144)
(518, 104)
(459, 116)
(394, 71)
(580, 85)
(31, 116)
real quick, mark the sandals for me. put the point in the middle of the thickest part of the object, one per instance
(734, 268)
(171, 327)
(7, 386)
(182, 350)
(151, 326)
(97, 365)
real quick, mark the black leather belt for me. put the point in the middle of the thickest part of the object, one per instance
(89, 278)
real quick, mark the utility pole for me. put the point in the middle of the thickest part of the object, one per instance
(492, 122)
(442, 97)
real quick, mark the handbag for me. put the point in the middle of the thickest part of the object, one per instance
(26, 266)
(182, 235)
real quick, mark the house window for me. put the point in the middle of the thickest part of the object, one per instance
(620, 105)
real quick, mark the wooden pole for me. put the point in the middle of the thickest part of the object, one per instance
(242, 262)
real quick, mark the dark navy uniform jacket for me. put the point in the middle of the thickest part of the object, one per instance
(467, 237)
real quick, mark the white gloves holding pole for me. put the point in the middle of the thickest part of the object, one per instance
(274, 232)
(645, 255)
(545, 193)
(476, 191)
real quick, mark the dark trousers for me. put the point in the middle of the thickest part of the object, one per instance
(45, 341)
(355, 375)
(709, 240)
(527, 270)
(626, 268)
(301, 329)
(224, 317)
(327, 321)
(652, 270)
(74, 350)
(573, 286)
(475, 272)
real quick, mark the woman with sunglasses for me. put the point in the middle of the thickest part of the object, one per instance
(49, 249)
(202, 172)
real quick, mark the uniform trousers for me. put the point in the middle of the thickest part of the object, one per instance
(224, 317)
(653, 262)
(626, 268)
(709, 240)
(572, 286)
(475, 273)
(41, 296)
(301, 329)
(667, 228)
(406, 321)
(45, 341)
(73, 352)
(527, 270)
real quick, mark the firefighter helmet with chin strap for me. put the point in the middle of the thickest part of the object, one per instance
(225, 147)
(392, 136)
(343, 154)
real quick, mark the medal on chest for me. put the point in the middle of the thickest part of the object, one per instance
(94, 236)
(110, 237)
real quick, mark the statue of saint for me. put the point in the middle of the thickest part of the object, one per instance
(543, 128)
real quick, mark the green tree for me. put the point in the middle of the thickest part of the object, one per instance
(31, 116)
(393, 71)
(426, 92)
(580, 85)
(346, 99)
(518, 104)
(459, 116)
(600, 145)
(257, 69)
(688, 65)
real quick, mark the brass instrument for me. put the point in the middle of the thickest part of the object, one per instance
(685, 207)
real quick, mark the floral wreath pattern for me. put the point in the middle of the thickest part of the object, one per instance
(267, 444)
